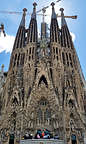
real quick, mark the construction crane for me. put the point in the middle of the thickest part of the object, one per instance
(58, 16)
(43, 10)
(72, 17)
(2, 29)
(19, 13)
(61, 9)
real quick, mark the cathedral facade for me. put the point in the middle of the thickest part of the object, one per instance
(44, 87)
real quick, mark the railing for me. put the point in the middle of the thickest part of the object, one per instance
(41, 141)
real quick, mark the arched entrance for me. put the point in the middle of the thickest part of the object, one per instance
(43, 79)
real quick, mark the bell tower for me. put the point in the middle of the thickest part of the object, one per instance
(30, 54)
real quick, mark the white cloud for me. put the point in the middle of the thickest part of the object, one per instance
(73, 36)
(6, 43)
(39, 34)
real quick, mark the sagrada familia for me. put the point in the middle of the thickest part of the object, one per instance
(44, 86)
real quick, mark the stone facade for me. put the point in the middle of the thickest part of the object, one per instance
(44, 87)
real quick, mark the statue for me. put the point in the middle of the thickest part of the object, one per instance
(43, 51)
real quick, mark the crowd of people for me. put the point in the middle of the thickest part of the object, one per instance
(41, 134)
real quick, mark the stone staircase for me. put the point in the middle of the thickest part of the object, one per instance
(42, 141)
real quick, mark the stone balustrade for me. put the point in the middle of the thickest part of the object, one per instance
(42, 141)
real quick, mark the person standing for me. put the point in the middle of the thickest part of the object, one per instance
(11, 139)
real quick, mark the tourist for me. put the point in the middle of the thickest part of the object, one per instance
(11, 139)
(38, 136)
(43, 134)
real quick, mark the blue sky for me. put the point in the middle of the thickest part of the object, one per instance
(11, 22)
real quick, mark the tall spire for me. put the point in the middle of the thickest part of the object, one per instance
(23, 17)
(66, 40)
(32, 32)
(44, 27)
(53, 11)
(34, 11)
(63, 21)
(54, 29)
(20, 36)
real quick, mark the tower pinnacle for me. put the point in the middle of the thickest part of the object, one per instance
(34, 4)
(32, 33)
(63, 21)
(23, 17)
(52, 4)
(24, 11)
(54, 28)
(34, 10)
(61, 9)
(53, 11)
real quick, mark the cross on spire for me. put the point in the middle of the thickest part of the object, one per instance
(34, 4)
(24, 11)
(23, 17)
(53, 11)
(61, 9)
(63, 22)
(62, 14)
(52, 4)
(34, 10)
